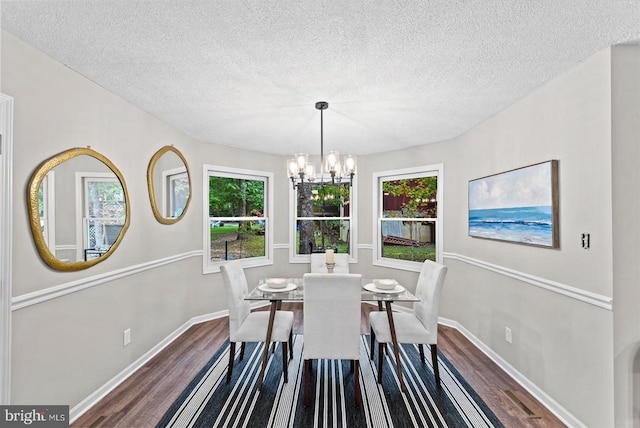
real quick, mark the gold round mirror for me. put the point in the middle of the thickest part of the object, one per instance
(169, 185)
(78, 209)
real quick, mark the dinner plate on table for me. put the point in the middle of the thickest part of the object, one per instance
(286, 288)
(372, 287)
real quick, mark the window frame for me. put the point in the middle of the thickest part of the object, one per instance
(436, 170)
(353, 228)
(169, 177)
(82, 183)
(237, 173)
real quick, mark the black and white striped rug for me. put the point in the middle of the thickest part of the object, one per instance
(209, 401)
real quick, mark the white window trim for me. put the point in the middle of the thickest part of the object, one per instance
(353, 227)
(223, 171)
(167, 196)
(6, 241)
(406, 173)
(81, 207)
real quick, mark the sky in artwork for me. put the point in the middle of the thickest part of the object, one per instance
(524, 187)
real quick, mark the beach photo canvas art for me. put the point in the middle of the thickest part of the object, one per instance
(518, 206)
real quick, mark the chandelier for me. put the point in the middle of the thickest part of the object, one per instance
(300, 169)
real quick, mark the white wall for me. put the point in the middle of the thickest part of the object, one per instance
(560, 343)
(626, 232)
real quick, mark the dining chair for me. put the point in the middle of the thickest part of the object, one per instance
(318, 261)
(419, 327)
(331, 322)
(246, 326)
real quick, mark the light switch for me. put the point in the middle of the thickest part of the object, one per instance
(586, 241)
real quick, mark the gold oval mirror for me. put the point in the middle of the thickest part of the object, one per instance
(78, 209)
(169, 185)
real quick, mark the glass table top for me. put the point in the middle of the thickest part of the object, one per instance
(294, 291)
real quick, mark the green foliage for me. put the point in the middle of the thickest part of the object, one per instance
(416, 254)
(324, 196)
(325, 234)
(216, 232)
(106, 199)
(109, 192)
(233, 197)
(252, 243)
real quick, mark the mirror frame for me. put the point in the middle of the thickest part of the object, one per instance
(34, 219)
(152, 195)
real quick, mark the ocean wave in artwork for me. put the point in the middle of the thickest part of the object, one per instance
(532, 225)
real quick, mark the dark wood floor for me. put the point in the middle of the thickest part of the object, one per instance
(143, 398)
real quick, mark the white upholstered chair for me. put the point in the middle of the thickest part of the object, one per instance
(332, 322)
(246, 326)
(318, 261)
(419, 327)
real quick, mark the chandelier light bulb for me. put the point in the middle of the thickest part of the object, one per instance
(350, 164)
(338, 169)
(310, 172)
(301, 160)
(292, 168)
(333, 159)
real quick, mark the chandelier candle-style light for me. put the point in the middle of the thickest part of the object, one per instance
(301, 169)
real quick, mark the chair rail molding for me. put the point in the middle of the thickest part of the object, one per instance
(595, 299)
(30, 299)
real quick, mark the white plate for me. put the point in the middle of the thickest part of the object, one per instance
(274, 282)
(267, 289)
(371, 287)
(390, 283)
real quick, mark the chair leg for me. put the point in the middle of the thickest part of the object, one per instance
(421, 347)
(290, 345)
(352, 365)
(307, 375)
(373, 342)
(356, 380)
(434, 361)
(380, 346)
(285, 365)
(232, 354)
(242, 351)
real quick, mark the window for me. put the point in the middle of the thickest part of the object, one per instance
(104, 213)
(238, 212)
(322, 219)
(407, 211)
(178, 191)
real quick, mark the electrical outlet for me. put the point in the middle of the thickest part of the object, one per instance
(507, 335)
(127, 336)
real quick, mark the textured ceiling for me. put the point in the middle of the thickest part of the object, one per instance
(395, 73)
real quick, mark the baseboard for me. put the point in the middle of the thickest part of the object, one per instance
(82, 407)
(553, 406)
